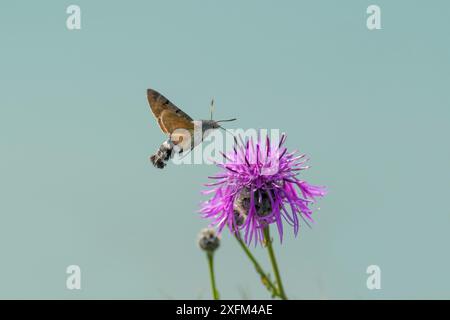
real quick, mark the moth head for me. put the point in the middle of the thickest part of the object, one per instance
(213, 124)
(210, 124)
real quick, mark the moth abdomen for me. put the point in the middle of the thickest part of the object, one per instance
(164, 153)
(157, 162)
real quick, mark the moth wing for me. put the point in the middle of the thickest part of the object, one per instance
(158, 103)
(180, 129)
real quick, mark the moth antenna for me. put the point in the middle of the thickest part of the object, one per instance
(212, 108)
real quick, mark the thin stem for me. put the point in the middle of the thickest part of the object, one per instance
(215, 293)
(264, 277)
(268, 241)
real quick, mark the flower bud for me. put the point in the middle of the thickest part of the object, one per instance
(208, 240)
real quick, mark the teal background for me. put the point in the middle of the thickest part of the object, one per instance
(371, 109)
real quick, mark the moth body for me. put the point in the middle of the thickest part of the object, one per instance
(171, 119)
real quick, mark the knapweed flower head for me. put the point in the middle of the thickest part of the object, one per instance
(208, 240)
(258, 185)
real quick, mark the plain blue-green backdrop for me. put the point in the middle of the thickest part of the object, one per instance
(371, 109)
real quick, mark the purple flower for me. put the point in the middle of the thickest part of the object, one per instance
(258, 186)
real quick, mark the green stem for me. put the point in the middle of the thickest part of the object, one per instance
(268, 241)
(264, 278)
(215, 293)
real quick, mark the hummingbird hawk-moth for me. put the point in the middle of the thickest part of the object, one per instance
(178, 125)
